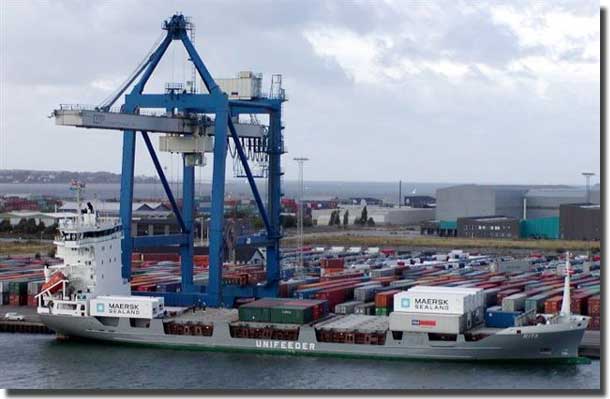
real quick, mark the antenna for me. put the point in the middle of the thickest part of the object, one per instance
(565, 303)
(587, 176)
(300, 161)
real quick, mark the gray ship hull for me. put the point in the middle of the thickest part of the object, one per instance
(543, 342)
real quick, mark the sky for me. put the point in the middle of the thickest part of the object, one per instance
(443, 91)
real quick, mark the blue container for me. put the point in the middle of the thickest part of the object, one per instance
(496, 318)
(307, 293)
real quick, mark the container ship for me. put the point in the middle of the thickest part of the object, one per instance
(86, 297)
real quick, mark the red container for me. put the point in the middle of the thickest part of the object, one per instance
(553, 305)
(594, 324)
(332, 263)
(201, 260)
(578, 303)
(388, 252)
(502, 294)
(593, 306)
(385, 299)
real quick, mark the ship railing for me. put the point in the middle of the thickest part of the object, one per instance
(526, 318)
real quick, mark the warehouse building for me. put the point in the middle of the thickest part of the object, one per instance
(381, 215)
(580, 222)
(545, 202)
(488, 227)
(473, 200)
(538, 207)
(419, 201)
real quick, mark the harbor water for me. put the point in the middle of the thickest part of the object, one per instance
(42, 362)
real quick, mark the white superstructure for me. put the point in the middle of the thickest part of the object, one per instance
(91, 251)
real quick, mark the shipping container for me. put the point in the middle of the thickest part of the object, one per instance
(496, 318)
(434, 300)
(347, 307)
(365, 309)
(291, 314)
(382, 311)
(514, 302)
(428, 322)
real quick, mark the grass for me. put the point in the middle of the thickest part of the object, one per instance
(25, 247)
(346, 239)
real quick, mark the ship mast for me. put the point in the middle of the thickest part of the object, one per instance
(565, 303)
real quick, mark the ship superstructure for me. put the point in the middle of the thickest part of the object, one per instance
(91, 251)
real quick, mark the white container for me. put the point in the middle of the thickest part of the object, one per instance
(246, 86)
(478, 293)
(120, 306)
(440, 302)
(428, 322)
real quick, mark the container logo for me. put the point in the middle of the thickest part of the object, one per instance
(100, 307)
(405, 302)
(423, 323)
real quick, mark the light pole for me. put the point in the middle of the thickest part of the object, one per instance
(300, 161)
(587, 176)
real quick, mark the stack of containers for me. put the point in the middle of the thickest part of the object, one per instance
(18, 293)
(4, 292)
(536, 302)
(593, 310)
(33, 290)
(365, 309)
(384, 302)
(347, 307)
(579, 299)
(553, 304)
(514, 302)
(445, 310)
(497, 318)
(282, 311)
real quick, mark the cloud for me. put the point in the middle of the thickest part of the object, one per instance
(377, 91)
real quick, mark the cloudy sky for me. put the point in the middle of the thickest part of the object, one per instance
(444, 91)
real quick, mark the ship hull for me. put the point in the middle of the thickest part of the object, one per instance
(548, 342)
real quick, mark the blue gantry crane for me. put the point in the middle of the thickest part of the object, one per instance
(191, 130)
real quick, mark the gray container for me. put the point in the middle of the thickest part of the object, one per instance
(385, 272)
(366, 294)
(365, 308)
(537, 301)
(34, 287)
(514, 302)
(429, 322)
(491, 297)
(346, 307)
(398, 284)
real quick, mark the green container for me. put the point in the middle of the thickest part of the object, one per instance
(18, 287)
(291, 315)
(382, 311)
(251, 313)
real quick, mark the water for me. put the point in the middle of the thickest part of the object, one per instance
(388, 191)
(40, 361)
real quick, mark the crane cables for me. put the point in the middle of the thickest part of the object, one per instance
(109, 101)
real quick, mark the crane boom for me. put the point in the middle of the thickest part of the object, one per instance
(97, 119)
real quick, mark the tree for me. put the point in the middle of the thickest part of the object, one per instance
(5, 226)
(346, 218)
(370, 222)
(30, 227)
(50, 230)
(364, 217)
(331, 220)
(288, 221)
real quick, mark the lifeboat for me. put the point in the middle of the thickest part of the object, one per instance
(52, 285)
